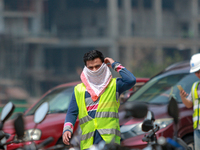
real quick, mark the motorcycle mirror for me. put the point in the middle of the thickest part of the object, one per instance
(19, 125)
(147, 125)
(136, 109)
(173, 110)
(7, 111)
(150, 116)
(41, 112)
(148, 122)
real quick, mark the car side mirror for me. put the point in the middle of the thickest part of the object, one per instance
(136, 109)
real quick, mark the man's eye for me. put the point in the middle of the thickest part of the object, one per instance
(98, 66)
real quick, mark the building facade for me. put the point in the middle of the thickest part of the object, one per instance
(43, 41)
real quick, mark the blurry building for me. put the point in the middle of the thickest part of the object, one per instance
(43, 41)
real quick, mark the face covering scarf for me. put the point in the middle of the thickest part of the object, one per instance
(96, 81)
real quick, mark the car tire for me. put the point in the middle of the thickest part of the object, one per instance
(189, 140)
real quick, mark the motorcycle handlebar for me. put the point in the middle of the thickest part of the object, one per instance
(148, 137)
(45, 142)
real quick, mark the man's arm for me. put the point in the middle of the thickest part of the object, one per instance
(70, 120)
(127, 79)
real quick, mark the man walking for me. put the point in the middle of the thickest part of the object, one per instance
(95, 101)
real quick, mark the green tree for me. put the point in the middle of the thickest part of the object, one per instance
(150, 68)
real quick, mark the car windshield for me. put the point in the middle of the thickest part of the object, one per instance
(58, 100)
(159, 88)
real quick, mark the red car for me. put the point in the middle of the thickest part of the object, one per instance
(58, 99)
(156, 93)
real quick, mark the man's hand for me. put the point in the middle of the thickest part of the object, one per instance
(186, 101)
(108, 61)
(66, 137)
(183, 94)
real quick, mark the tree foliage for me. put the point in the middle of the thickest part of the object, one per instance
(150, 68)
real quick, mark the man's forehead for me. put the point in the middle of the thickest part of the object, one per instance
(95, 61)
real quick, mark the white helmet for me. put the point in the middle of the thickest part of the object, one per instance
(195, 63)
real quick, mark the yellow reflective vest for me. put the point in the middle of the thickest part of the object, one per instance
(196, 105)
(106, 120)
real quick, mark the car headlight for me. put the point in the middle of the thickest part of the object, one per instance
(128, 131)
(32, 134)
(162, 123)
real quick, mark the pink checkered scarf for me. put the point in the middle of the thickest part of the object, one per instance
(96, 81)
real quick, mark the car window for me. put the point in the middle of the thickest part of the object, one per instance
(58, 100)
(159, 88)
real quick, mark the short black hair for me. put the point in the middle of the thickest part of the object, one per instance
(91, 55)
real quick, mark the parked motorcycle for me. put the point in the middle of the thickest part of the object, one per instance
(163, 143)
(39, 116)
(176, 142)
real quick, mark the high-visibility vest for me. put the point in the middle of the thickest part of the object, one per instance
(196, 105)
(106, 120)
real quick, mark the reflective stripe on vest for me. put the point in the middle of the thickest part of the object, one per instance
(101, 131)
(99, 115)
(196, 104)
(85, 119)
(109, 131)
(106, 115)
(87, 136)
(106, 120)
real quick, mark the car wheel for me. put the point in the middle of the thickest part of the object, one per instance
(189, 140)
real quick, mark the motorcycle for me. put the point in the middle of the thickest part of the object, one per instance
(163, 143)
(176, 142)
(39, 116)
